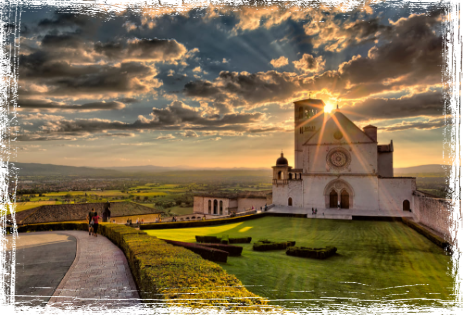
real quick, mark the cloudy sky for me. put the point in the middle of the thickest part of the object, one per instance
(214, 86)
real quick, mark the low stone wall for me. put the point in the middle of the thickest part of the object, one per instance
(434, 213)
(77, 212)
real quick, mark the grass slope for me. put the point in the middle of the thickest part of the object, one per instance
(380, 261)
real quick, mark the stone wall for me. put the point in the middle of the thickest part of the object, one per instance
(75, 212)
(434, 213)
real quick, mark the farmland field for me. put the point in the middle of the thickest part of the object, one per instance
(376, 262)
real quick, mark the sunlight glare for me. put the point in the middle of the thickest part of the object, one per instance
(328, 108)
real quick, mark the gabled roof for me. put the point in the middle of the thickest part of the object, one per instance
(334, 122)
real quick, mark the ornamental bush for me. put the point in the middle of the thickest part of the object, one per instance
(263, 245)
(170, 273)
(439, 241)
(232, 250)
(206, 252)
(307, 252)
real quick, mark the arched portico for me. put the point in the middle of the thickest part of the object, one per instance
(343, 191)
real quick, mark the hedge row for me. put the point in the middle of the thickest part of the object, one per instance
(232, 250)
(173, 274)
(263, 245)
(319, 253)
(222, 240)
(457, 253)
(206, 252)
(439, 241)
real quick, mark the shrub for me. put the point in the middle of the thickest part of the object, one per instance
(439, 241)
(232, 250)
(206, 252)
(207, 239)
(263, 245)
(318, 253)
(237, 240)
(171, 273)
(457, 253)
(224, 240)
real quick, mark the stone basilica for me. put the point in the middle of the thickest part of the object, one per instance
(338, 165)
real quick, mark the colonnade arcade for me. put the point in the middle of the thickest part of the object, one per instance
(215, 207)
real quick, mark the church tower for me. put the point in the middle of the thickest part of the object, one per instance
(308, 118)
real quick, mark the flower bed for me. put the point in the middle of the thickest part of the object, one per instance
(169, 273)
(263, 245)
(307, 252)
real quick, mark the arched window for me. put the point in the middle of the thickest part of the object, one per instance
(279, 175)
(215, 206)
(406, 205)
(301, 112)
(221, 207)
(290, 175)
(209, 203)
(290, 201)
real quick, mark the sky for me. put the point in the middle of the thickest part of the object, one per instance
(214, 86)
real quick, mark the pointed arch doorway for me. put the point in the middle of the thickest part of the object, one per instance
(344, 199)
(333, 199)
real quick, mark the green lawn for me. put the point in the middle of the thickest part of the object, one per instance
(376, 262)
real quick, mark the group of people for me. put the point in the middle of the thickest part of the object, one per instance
(314, 211)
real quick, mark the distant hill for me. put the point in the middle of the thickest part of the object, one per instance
(36, 169)
(423, 169)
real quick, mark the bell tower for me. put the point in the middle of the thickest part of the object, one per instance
(308, 118)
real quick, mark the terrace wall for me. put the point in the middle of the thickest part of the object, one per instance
(434, 213)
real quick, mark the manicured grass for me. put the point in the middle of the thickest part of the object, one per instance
(378, 261)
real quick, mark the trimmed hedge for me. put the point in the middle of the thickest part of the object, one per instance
(205, 252)
(263, 245)
(307, 252)
(173, 274)
(439, 241)
(457, 253)
(222, 240)
(239, 240)
(207, 239)
(232, 250)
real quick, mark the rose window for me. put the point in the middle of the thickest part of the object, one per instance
(338, 158)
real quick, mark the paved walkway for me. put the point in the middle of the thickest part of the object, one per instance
(99, 277)
(342, 213)
(42, 260)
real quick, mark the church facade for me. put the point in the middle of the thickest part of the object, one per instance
(338, 165)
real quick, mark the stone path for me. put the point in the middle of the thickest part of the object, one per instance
(99, 277)
(342, 213)
(42, 260)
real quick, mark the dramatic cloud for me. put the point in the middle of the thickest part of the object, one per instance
(40, 104)
(309, 63)
(83, 14)
(280, 62)
(421, 125)
(165, 50)
(423, 104)
(167, 137)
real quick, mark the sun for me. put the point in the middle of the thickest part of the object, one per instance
(328, 108)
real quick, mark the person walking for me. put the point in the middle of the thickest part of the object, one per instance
(95, 219)
(90, 216)
(107, 212)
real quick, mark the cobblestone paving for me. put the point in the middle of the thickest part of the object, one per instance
(99, 276)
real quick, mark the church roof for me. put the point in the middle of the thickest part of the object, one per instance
(338, 129)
